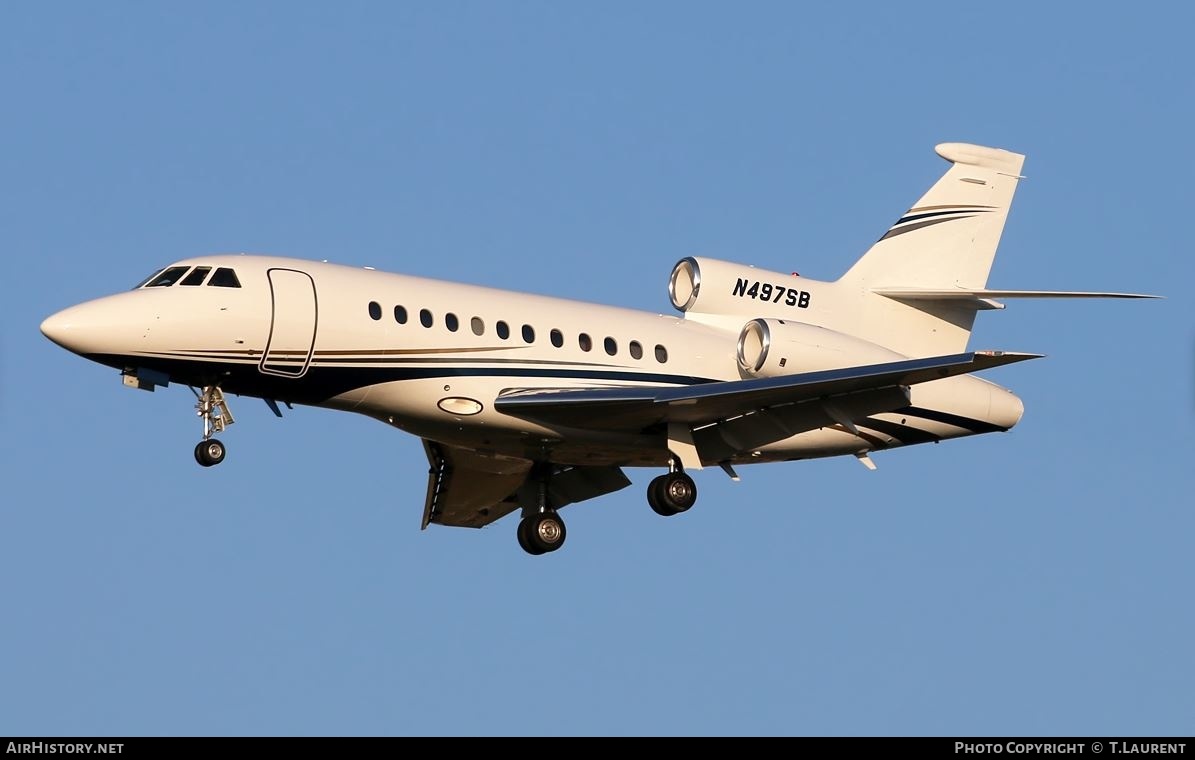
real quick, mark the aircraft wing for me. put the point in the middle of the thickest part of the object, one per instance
(471, 489)
(640, 408)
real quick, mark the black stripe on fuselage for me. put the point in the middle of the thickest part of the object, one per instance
(902, 433)
(966, 423)
(601, 371)
(323, 359)
(321, 383)
(350, 352)
(906, 433)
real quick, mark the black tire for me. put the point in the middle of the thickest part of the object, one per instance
(655, 491)
(677, 492)
(544, 532)
(210, 452)
(523, 542)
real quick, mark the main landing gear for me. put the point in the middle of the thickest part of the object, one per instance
(212, 407)
(541, 530)
(541, 533)
(672, 493)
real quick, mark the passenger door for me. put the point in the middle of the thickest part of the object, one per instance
(294, 320)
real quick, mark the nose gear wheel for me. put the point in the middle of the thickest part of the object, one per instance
(212, 408)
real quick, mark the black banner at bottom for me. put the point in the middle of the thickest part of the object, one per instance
(938, 746)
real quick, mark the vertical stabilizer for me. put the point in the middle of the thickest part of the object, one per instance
(947, 240)
(949, 237)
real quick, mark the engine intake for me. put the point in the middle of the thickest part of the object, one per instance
(773, 347)
(685, 284)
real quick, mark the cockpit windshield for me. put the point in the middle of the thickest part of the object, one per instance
(168, 277)
(225, 278)
(197, 276)
(141, 284)
(164, 278)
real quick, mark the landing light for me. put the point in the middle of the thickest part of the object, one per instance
(464, 407)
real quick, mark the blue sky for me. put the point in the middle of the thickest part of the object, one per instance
(1037, 582)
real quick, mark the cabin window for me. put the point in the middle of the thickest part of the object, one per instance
(400, 314)
(451, 322)
(528, 334)
(585, 342)
(661, 354)
(168, 277)
(636, 350)
(557, 338)
(477, 325)
(375, 310)
(224, 278)
(503, 330)
(197, 276)
(611, 346)
(425, 318)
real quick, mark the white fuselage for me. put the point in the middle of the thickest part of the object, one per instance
(429, 357)
(530, 403)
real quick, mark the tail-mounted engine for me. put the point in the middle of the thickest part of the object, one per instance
(771, 347)
(710, 286)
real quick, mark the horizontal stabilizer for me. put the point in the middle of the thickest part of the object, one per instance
(959, 294)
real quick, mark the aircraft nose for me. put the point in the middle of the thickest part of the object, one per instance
(81, 329)
(1006, 408)
(58, 327)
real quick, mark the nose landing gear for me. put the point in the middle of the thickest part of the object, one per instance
(210, 452)
(211, 406)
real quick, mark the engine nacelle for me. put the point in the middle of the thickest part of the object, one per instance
(710, 286)
(772, 347)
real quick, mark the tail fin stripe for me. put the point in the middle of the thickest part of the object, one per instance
(919, 225)
(948, 205)
(911, 217)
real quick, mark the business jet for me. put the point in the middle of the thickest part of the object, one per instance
(531, 403)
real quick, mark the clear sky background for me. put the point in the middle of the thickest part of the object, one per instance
(1036, 582)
